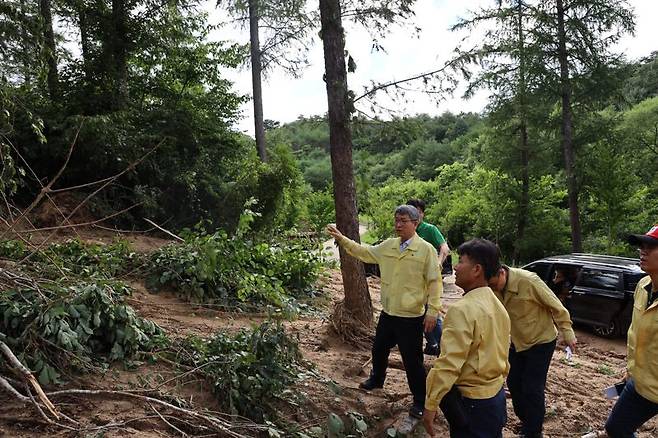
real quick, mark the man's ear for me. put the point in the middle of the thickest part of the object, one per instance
(479, 270)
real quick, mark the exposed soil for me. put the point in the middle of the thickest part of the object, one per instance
(575, 404)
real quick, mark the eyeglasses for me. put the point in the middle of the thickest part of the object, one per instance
(402, 221)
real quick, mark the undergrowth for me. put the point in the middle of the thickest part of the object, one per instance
(250, 372)
(56, 329)
(237, 271)
(74, 257)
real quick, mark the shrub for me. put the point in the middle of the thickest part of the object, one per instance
(249, 371)
(236, 271)
(53, 327)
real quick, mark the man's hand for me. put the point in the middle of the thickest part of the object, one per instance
(333, 231)
(428, 421)
(430, 323)
(572, 344)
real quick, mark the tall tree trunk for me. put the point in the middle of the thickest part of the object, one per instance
(357, 298)
(50, 48)
(523, 140)
(120, 52)
(524, 202)
(85, 44)
(256, 71)
(567, 133)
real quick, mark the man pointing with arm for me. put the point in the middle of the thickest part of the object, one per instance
(410, 278)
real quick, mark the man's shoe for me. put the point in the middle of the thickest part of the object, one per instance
(371, 384)
(432, 350)
(416, 411)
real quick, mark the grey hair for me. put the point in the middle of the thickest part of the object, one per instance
(408, 210)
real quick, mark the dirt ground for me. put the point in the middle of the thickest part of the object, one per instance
(574, 399)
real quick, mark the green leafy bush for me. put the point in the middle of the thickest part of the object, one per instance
(320, 209)
(236, 271)
(76, 257)
(249, 371)
(76, 327)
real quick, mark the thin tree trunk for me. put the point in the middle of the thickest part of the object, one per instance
(120, 52)
(50, 48)
(357, 298)
(567, 133)
(85, 44)
(256, 70)
(523, 140)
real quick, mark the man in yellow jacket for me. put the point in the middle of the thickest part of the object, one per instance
(467, 378)
(638, 401)
(535, 311)
(411, 278)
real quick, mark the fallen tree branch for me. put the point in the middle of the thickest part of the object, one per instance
(167, 422)
(45, 190)
(28, 377)
(164, 231)
(128, 168)
(83, 224)
(215, 423)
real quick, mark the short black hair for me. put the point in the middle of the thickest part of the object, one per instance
(418, 203)
(483, 252)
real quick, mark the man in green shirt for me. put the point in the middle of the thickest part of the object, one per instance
(431, 234)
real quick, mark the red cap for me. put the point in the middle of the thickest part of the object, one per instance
(650, 237)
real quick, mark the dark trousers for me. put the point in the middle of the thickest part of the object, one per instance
(629, 413)
(474, 418)
(434, 337)
(407, 334)
(526, 383)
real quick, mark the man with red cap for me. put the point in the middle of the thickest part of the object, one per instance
(638, 401)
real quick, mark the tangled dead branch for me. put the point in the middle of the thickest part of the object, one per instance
(27, 378)
(189, 419)
(350, 329)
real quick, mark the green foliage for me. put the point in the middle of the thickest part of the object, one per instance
(57, 329)
(466, 202)
(236, 271)
(76, 257)
(643, 83)
(250, 371)
(320, 209)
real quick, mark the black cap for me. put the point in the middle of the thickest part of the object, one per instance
(650, 237)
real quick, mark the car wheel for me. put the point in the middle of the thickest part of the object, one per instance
(612, 330)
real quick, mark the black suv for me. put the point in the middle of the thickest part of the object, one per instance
(596, 289)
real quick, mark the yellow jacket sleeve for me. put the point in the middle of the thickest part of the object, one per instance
(456, 342)
(632, 335)
(545, 296)
(365, 253)
(434, 284)
(434, 292)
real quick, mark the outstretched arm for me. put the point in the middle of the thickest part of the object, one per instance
(365, 253)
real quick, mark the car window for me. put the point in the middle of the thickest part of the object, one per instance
(631, 280)
(539, 268)
(599, 279)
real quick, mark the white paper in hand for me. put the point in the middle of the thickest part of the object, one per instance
(569, 353)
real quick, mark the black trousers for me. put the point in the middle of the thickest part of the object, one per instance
(407, 334)
(474, 418)
(526, 383)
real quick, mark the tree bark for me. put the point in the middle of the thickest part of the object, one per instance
(120, 52)
(50, 49)
(567, 132)
(256, 73)
(357, 298)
